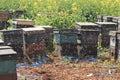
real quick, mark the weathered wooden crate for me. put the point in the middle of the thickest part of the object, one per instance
(66, 42)
(66, 49)
(22, 23)
(107, 18)
(34, 41)
(99, 18)
(106, 27)
(86, 25)
(7, 63)
(48, 38)
(14, 38)
(87, 42)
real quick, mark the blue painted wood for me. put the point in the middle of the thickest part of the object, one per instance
(66, 38)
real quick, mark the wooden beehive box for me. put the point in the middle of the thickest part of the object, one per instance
(107, 18)
(7, 63)
(88, 42)
(117, 51)
(105, 28)
(86, 25)
(34, 41)
(22, 23)
(48, 37)
(66, 42)
(14, 38)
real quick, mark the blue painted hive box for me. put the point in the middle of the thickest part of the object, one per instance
(7, 60)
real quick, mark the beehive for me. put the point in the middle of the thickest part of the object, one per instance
(105, 28)
(48, 38)
(7, 63)
(34, 41)
(117, 51)
(14, 38)
(86, 25)
(66, 42)
(22, 23)
(88, 42)
(107, 18)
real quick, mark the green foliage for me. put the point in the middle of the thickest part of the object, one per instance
(63, 13)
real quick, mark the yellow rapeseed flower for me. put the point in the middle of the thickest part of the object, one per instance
(49, 7)
(74, 9)
(74, 4)
(39, 0)
(35, 3)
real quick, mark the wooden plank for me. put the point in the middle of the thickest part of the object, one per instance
(7, 52)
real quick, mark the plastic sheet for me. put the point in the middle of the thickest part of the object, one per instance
(76, 58)
(37, 62)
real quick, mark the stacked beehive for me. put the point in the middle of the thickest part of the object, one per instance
(48, 38)
(7, 63)
(66, 42)
(105, 28)
(115, 40)
(87, 39)
(34, 41)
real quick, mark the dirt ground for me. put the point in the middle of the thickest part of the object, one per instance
(65, 70)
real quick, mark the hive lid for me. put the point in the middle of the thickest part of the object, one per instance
(7, 52)
(65, 31)
(37, 26)
(86, 24)
(5, 47)
(23, 22)
(105, 23)
(33, 30)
